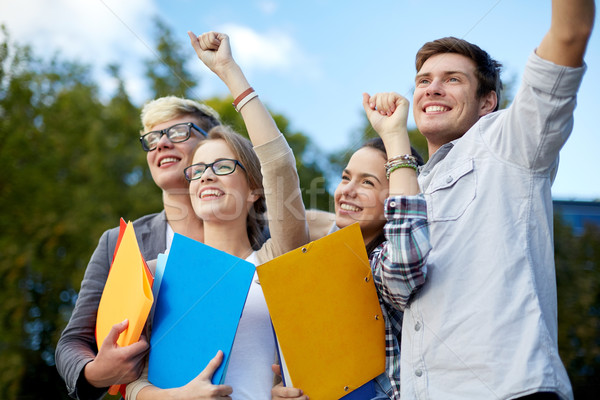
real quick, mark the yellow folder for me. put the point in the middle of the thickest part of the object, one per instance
(326, 315)
(127, 293)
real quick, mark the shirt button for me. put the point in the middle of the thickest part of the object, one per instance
(448, 179)
(417, 326)
(392, 204)
(418, 372)
(425, 173)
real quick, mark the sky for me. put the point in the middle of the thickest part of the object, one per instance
(311, 60)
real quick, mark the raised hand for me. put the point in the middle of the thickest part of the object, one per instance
(114, 364)
(388, 114)
(214, 51)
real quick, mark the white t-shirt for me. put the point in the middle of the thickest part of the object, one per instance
(249, 372)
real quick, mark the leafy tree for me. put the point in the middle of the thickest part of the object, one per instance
(167, 71)
(578, 283)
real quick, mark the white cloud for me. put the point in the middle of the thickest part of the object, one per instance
(268, 7)
(273, 51)
(95, 32)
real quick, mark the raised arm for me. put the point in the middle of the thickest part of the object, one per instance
(285, 209)
(399, 267)
(215, 52)
(570, 30)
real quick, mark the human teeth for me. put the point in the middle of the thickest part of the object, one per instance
(207, 193)
(348, 207)
(168, 160)
(435, 108)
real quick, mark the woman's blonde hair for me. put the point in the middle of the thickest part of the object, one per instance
(244, 153)
(170, 107)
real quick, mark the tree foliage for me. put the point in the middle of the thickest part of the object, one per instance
(578, 282)
(72, 167)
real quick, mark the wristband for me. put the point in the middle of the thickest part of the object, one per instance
(241, 97)
(245, 101)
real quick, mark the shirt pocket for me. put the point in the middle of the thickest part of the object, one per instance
(451, 192)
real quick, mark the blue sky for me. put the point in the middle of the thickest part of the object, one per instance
(311, 60)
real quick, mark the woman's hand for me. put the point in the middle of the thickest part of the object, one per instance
(201, 387)
(279, 392)
(388, 114)
(214, 51)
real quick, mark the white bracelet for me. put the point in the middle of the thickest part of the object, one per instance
(245, 101)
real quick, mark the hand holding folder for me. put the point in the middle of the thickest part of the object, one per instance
(202, 294)
(326, 315)
(127, 293)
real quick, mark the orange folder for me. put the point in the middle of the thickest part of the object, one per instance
(127, 293)
(326, 315)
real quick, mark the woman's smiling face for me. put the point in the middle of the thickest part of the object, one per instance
(220, 197)
(361, 194)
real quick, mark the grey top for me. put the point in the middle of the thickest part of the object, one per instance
(77, 344)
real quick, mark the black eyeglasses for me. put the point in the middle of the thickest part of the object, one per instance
(224, 166)
(177, 133)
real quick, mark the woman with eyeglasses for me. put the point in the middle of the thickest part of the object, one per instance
(173, 127)
(227, 194)
(379, 190)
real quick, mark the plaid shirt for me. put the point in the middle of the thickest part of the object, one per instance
(399, 270)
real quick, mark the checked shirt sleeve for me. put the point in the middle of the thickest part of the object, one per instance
(399, 266)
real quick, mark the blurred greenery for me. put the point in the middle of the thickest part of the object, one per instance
(73, 167)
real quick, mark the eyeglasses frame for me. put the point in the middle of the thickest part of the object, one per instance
(211, 166)
(162, 132)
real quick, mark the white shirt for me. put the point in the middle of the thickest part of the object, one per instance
(484, 325)
(249, 372)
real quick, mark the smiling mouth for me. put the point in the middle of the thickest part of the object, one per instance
(211, 194)
(349, 207)
(168, 160)
(434, 109)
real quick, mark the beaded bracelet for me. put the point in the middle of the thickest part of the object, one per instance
(404, 157)
(395, 166)
(401, 161)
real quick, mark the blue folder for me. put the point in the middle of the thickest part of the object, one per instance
(202, 294)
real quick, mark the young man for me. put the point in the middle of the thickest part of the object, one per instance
(485, 324)
(172, 129)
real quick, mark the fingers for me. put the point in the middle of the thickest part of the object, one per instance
(385, 103)
(212, 366)
(115, 331)
(276, 369)
(281, 392)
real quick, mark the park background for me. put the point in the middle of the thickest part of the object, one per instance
(74, 74)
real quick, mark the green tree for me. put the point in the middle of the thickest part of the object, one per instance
(69, 175)
(578, 283)
(167, 70)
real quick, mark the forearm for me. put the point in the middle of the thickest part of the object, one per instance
(285, 209)
(399, 268)
(570, 29)
(259, 123)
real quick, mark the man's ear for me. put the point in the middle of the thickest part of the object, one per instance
(487, 103)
